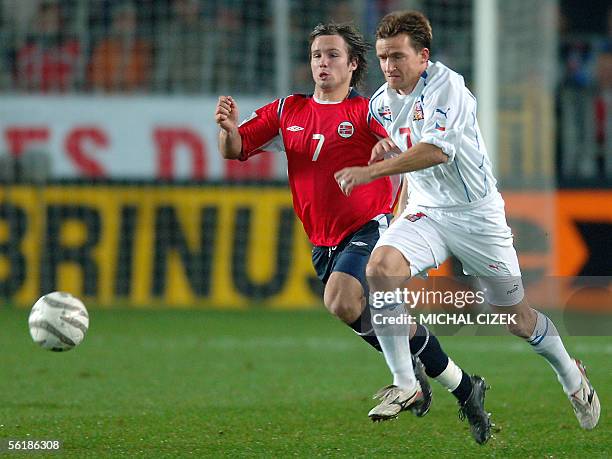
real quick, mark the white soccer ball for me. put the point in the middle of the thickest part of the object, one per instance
(58, 321)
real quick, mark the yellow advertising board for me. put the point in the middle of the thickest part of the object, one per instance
(232, 246)
(155, 246)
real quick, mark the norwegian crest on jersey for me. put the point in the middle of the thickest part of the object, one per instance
(346, 129)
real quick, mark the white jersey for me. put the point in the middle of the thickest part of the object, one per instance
(439, 111)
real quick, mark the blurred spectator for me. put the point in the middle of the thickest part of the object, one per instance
(604, 72)
(183, 53)
(578, 59)
(228, 36)
(603, 111)
(5, 52)
(122, 61)
(342, 11)
(48, 60)
(606, 43)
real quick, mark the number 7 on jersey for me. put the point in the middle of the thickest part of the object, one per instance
(321, 139)
(406, 130)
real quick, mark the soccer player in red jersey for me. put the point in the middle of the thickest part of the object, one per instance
(321, 134)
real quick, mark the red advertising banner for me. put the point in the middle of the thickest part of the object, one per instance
(128, 138)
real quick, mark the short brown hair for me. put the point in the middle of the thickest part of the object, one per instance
(357, 46)
(412, 23)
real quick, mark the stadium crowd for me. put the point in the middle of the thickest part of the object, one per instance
(196, 46)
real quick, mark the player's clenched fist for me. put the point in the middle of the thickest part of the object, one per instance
(226, 113)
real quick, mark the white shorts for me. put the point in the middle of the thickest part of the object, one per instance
(478, 236)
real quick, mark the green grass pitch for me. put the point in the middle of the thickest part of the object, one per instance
(273, 384)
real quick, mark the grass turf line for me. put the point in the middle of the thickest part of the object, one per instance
(180, 383)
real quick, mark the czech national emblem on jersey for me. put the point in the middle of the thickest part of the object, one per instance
(345, 129)
(414, 217)
(418, 111)
(385, 112)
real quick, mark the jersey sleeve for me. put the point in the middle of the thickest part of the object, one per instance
(260, 130)
(375, 106)
(376, 128)
(446, 115)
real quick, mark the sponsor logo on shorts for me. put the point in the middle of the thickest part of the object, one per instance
(359, 243)
(346, 129)
(514, 289)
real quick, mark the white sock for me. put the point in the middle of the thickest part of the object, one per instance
(546, 341)
(394, 342)
(451, 376)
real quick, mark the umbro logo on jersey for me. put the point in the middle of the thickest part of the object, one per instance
(295, 128)
(346, 129)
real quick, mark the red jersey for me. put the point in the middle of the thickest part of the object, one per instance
(320, 139)
(50, 68)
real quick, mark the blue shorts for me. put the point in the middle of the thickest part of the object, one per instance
(352, 254)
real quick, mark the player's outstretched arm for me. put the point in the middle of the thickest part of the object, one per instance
(420, 156)
(226, 116)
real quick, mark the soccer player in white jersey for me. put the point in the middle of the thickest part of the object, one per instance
(320, 134)
(431, 117)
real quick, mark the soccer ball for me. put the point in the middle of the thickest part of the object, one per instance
(58, 321)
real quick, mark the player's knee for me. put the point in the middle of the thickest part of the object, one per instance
(386, 271)
(344, 299)
(378, 266)
(346, 309)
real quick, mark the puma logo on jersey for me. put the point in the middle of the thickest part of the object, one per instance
(445, 113)
(295, 128)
